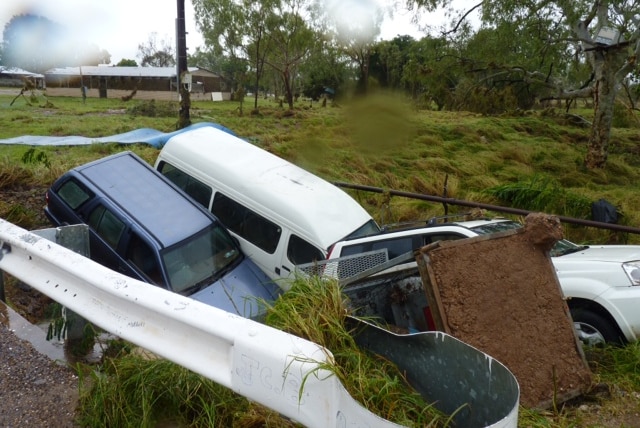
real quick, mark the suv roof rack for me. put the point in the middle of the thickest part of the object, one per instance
(459, 217)
(433, 221)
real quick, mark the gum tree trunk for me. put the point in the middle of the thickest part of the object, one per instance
(604, 95)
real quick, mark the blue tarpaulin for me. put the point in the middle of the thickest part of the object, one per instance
(149, 136)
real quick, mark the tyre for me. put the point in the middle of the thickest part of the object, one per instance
(594, 329)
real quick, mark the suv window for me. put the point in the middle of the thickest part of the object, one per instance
(73, 194)
(395, 246)
(400, 245)
(191, 186)
(142, 256)
(107, 225)
(250, 225)
(428, 239)
(301, 252)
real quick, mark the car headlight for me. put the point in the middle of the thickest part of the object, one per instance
(632, 269)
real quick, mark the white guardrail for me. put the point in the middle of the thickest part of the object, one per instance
(266, 365)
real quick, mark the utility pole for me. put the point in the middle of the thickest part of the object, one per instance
(182, 71)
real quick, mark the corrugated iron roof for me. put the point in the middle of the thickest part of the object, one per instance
(18, 71)
(168, 72)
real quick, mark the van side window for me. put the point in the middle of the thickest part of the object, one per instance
(301, 252)
(73, 194)
(141, 255)
(191, 186)
(246, 223)
(107, 225)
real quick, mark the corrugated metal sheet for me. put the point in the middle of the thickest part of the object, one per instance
(18, 72)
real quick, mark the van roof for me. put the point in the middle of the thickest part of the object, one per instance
(322, 212)
(145, 196)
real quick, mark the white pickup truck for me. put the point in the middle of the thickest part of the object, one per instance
(601, 283)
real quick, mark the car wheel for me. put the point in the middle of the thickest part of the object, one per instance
(593, 329)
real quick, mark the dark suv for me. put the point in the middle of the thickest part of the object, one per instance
(144, 227)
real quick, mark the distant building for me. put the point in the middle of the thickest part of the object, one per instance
(19, 78)
(158, 83)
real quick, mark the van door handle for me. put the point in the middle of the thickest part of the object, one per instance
(286, 268)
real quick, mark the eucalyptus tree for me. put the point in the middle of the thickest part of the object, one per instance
(353, 27)
(154, 53)
(432, 71)
(232, 69)
(325, 72)
(237, 28)
(499, 64)
(388, 60)
(603, 34)
(291, 40)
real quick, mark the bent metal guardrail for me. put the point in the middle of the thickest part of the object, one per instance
(266, 365)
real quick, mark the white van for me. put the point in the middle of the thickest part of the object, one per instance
(282, 215)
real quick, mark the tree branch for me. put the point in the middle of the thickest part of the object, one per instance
(462, 18)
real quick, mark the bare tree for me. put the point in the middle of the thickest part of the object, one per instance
(156, 54)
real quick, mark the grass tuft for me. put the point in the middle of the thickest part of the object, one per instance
(316, 309)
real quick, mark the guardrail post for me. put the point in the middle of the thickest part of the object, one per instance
(75, 238)
(2, 296)
(3, 249)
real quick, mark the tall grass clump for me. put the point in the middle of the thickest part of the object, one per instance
(140, 392)
(316, 309)
(542, 194)
(618, 365)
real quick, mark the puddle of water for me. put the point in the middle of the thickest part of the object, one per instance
(55, 349)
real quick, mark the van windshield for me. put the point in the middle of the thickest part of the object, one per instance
(200, 260)
(369, 228)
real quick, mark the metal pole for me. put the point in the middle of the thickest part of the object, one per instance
(495, 208)
(181, 52)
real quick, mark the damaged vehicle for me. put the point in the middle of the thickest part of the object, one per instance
(601, 283)
(142, 226)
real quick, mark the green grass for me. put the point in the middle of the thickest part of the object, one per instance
(135, 391)
(132, 390)
(527, 161)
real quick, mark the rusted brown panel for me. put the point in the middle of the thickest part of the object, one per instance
(432, 291)
(500, 294)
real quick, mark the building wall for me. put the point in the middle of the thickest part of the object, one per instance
(139, 95)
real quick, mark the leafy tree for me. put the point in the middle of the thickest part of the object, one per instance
(432, 72)
(352, 27)
(156, 54)
(232, 70)
(291, 41)
(237, 29)
(324, 72)
(127, 63)
(388, 60)
(604, 35)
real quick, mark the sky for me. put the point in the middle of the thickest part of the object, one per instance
(119, 26)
